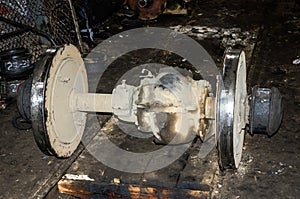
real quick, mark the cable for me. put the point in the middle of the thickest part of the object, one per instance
(27, 28)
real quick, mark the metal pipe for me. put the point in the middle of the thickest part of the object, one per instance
(92, 102)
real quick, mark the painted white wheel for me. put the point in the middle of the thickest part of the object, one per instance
(231, 109)
(60, 131)
(239, 115)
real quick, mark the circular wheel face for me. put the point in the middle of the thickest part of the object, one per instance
(231, 106)
(57, 128)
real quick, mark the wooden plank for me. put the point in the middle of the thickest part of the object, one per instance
(113, 184)
(88, 189)
(75, 188)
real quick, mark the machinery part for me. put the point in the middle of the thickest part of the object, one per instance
(12, 88)
(9, 89)
(15, 64)
(231, 109)
(147, 9)
(37, 102)
(57, 127)
(23, 99)
(166, 104)
(266, 110)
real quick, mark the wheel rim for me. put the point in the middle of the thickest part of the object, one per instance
(231, 109)
(57, 128)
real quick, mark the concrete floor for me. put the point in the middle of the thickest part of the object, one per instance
(269, 167)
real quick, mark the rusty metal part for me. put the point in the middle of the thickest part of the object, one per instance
(148, 9)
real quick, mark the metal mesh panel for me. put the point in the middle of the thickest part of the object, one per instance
(53, 17)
